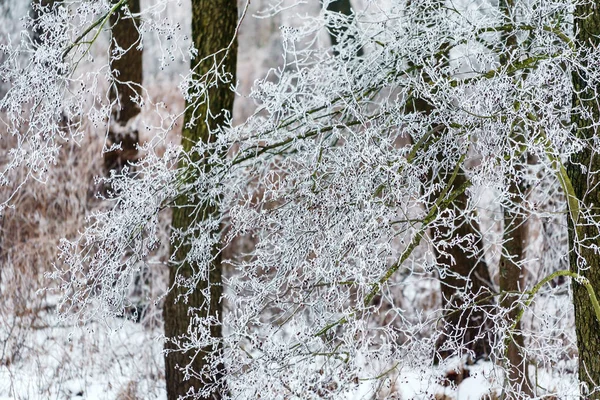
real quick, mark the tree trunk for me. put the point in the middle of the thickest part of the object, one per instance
(512, 273)
(343, 7)
(463, 329)
(467, 329)
(512, 279)
(470, 328)
(582, 234)
(127, 71)
(37, 31)
(213, 29)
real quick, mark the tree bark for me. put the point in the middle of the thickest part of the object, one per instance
(127, 70)
(469, 328)
(343, 7)
(583, 234)
(512, 273)
(213, 29)
(512, 280)
(37, 31)
(467, 276)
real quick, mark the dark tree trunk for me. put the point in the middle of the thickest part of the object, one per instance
(468, 328)
(37, 9)
(343, 7)
(466, 274)
(512, 273)
(127, 71)
(213, 29)
(587, 191)
(512, 280)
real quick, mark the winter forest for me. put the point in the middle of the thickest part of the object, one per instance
(299, 199)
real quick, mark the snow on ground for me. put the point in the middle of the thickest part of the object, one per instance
(123, 360)
(117, 360)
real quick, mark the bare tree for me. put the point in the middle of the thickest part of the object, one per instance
(191, 370)
(583, 173)
(127, 71)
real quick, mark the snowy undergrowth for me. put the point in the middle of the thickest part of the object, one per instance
(111, 360)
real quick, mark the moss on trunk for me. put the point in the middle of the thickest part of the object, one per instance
(213, 29)
(584, 259)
